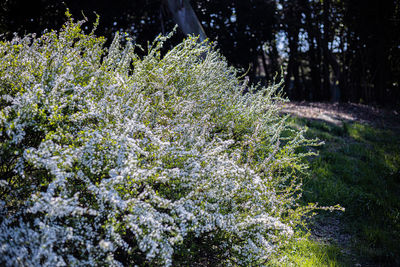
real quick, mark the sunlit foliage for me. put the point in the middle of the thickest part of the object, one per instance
(110, 158)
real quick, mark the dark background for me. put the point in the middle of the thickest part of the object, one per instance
(346, 51)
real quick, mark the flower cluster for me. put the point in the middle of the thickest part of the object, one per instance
(111, 158)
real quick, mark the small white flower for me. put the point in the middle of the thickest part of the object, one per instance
(106, 245)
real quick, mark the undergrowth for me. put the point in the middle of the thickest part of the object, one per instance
(108, 158)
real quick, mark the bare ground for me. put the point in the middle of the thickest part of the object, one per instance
(338, 113)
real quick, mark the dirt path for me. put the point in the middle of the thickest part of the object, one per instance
(344, 112)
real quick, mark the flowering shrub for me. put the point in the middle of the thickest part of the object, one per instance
(109, 158)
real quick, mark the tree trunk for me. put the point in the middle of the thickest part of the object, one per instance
(314, 53)
(183, 14)
(325, 50)
(265, 67)
(380, 60)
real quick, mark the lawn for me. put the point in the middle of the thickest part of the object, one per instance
(358, 167)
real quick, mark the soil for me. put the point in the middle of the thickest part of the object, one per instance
(337, 113)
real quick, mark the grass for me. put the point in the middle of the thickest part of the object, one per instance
(359, 168)
(306, 252)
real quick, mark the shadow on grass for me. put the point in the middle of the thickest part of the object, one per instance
(358, 167)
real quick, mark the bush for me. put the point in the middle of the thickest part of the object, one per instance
(110, 158)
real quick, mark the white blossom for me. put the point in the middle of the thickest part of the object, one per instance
(115, 155)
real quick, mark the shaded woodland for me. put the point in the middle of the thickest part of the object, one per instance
(329, 50)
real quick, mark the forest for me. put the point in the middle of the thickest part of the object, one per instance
(333, 50)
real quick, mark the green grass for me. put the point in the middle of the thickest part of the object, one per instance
(307, 252)
(359, 168)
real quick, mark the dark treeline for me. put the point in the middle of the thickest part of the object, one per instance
(330, 50)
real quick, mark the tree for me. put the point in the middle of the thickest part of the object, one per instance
(184, 16)
(333, 49)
